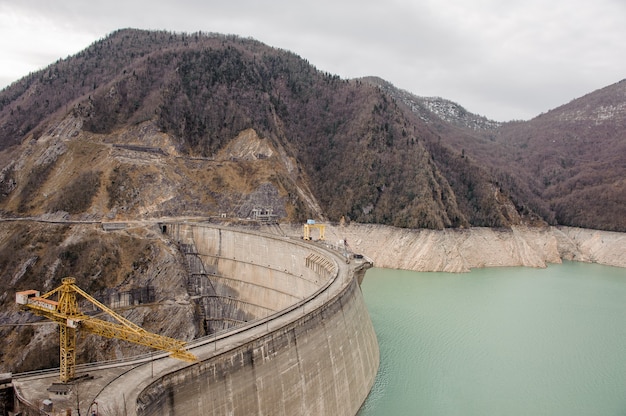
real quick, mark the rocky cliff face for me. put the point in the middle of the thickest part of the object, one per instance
(461, 250)
(106, 264)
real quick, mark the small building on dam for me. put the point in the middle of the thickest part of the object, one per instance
(291, 335)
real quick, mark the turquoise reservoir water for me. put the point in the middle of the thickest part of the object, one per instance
(501, 341)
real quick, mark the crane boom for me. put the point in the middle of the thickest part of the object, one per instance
(66, 313)
(112, 330)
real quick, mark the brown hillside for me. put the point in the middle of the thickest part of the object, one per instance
(342, 148)
(568, 165)
(575, 158)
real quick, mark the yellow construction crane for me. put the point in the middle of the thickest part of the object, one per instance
(65, 312)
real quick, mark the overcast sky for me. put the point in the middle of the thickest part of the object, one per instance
(504, 59)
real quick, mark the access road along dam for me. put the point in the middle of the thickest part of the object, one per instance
(304, 343)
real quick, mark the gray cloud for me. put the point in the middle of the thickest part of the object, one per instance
(504, 60)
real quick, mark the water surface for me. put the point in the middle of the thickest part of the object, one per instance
(499, 341)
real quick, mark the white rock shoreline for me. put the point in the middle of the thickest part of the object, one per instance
(459, 250)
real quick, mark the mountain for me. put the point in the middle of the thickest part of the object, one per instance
(336, 148)
(358, 149)
(144, 125)
(574, 158)
(568, 165)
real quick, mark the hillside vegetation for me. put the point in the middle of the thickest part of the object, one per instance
(358, 149)
(145, 125)
(343, 148)
(568, 165)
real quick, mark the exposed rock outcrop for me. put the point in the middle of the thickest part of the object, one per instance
(455, 250)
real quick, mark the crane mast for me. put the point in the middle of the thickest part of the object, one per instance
(66, 313)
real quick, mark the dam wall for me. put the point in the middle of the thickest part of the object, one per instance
(261, 272)
(312, 352)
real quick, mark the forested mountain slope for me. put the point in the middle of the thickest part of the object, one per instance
(574, 158)
(347, 148)
(567, 165)
(358, 149)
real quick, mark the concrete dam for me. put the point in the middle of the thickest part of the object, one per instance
(293, 335)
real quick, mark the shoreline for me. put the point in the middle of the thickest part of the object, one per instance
(460, 250)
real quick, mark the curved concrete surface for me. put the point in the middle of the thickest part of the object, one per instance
(319, 356)
(309, 348)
